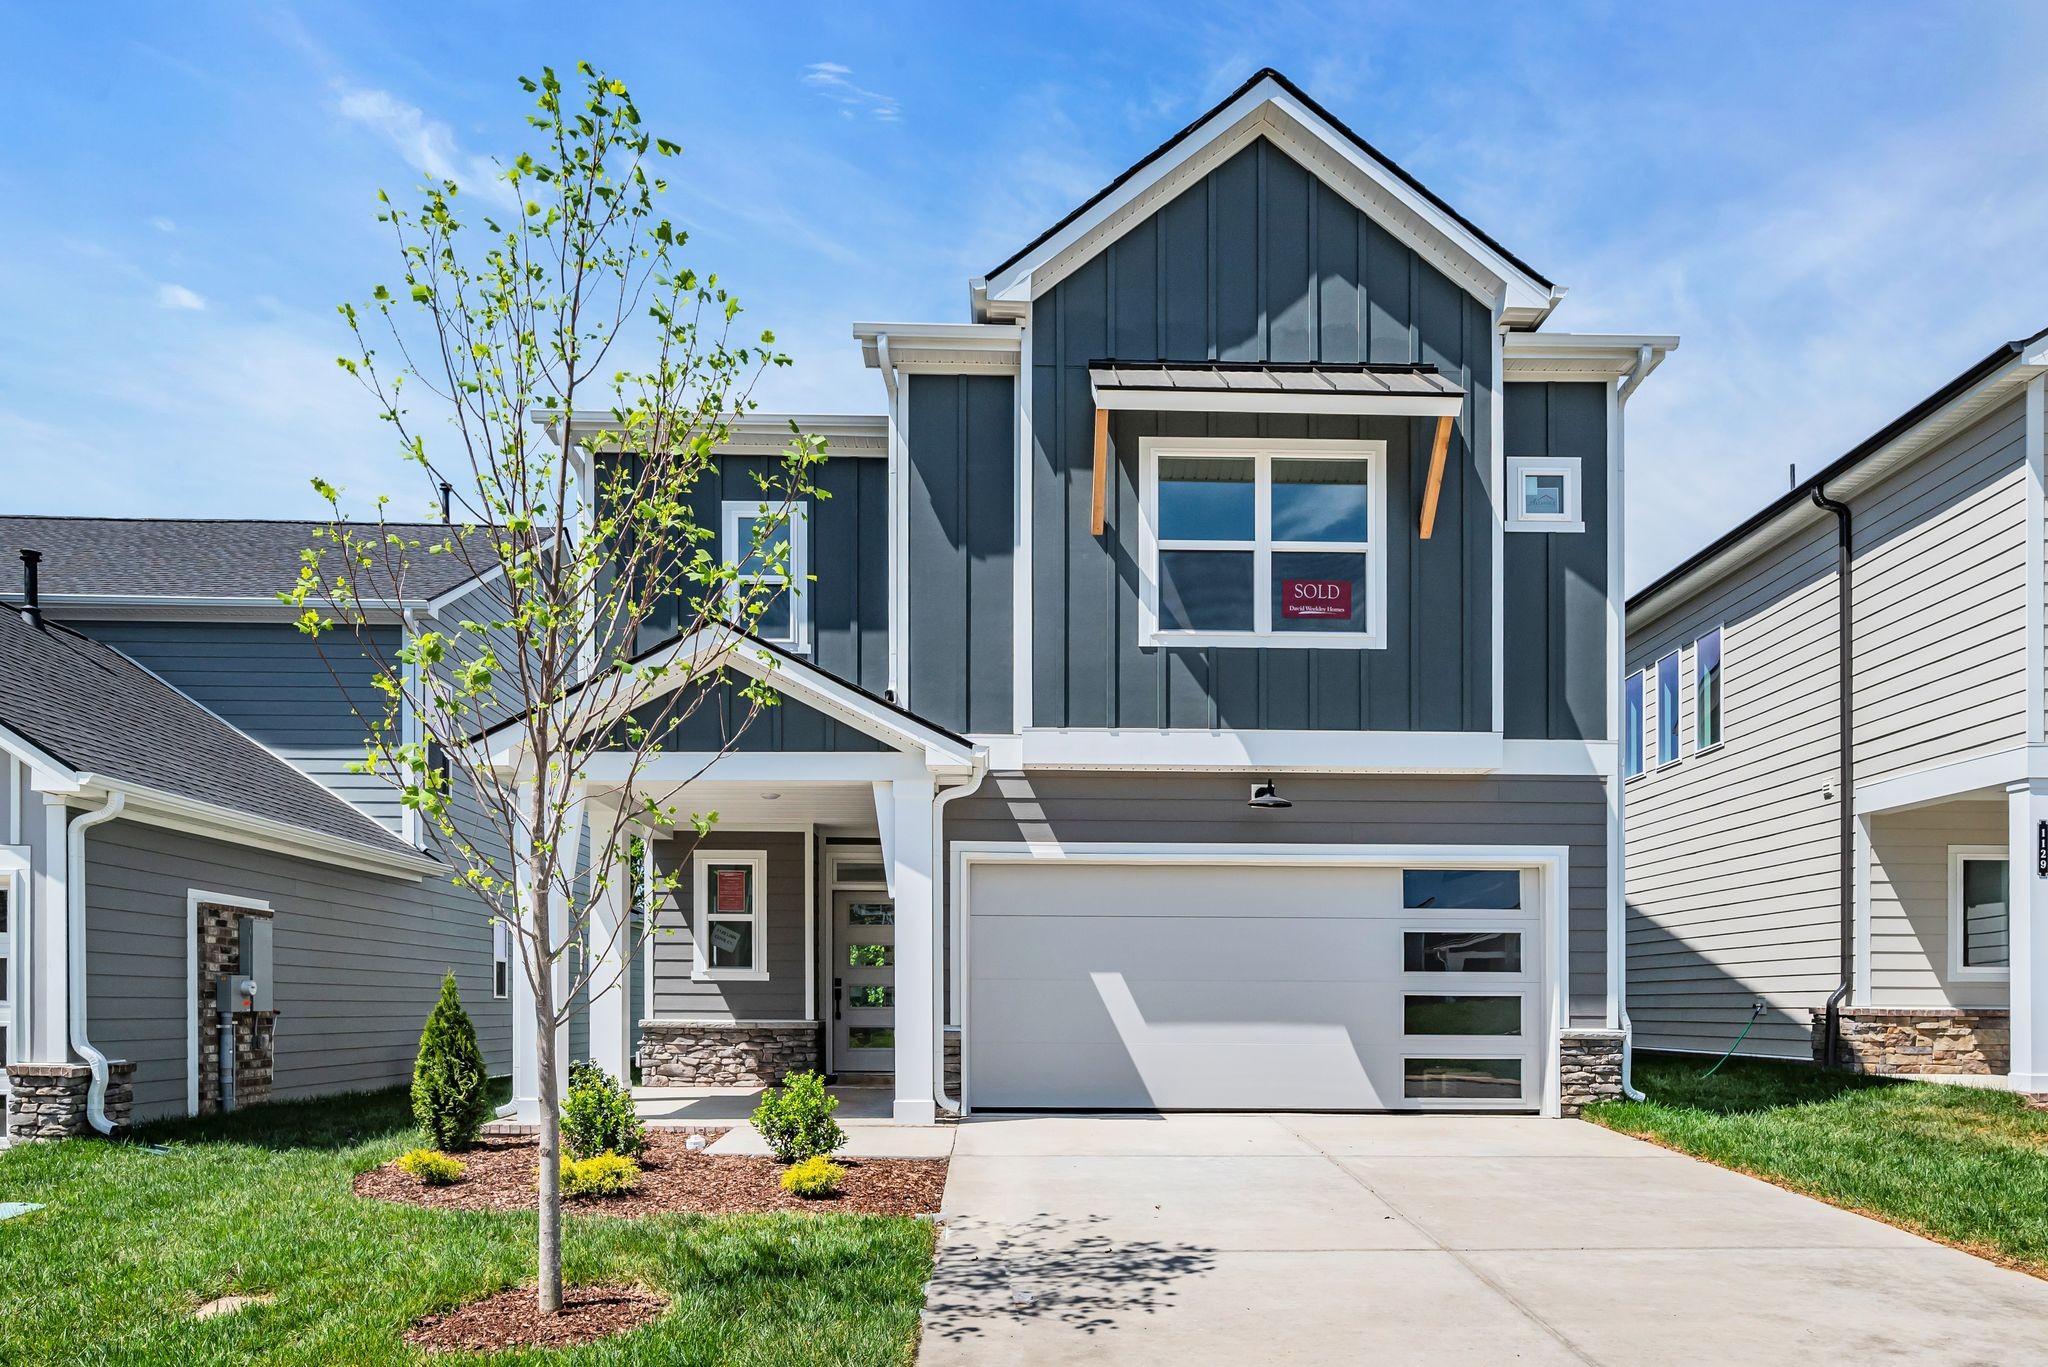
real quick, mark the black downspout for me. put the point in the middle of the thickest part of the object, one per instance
(1845, 558)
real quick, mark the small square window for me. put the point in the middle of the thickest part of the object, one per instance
(1543, 494)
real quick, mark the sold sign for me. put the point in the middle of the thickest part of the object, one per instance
(1315, 598)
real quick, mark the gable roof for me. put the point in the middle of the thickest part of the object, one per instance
(1268, 87)
(220, 560)
(69, 701)
(1979, 389)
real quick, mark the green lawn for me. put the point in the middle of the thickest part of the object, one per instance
(259, 1201)
(1965, 1166)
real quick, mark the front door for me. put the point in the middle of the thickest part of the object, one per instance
(863, 980)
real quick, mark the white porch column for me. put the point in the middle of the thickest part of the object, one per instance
(611, 950)
(917, 1014)
(44, 1014)
(2027, 910)
(525, 1107)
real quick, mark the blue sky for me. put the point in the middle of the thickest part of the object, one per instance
(1837, 207)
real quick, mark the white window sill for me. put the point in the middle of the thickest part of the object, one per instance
(1262, 640)
(1539, 525)
(729, 975)
(1708, 750)
(1980, 975)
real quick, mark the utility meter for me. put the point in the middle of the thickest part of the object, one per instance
(239, 993)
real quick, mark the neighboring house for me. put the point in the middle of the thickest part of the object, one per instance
(159, 679)
(1206, 695)
(1876, 889)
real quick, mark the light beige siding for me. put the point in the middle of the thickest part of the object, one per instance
(1909, 929)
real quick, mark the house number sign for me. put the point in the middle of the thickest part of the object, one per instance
(1324, 598)
(2041, 849)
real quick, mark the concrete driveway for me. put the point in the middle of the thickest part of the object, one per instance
(1438, 1239)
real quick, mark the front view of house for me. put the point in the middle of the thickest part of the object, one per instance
(1205, 698)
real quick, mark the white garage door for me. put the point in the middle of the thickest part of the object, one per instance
(1282, 986)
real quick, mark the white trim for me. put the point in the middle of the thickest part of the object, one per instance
(1020, 523)
(1859, 973)
(1331, 752)
(1983, 774)
(701, 915)
(795, 575)
(1496, 495)
(1519, 519)
(152, 807)
(1958, 971)
(2035, 542)
(942, 348)
(1278, 401)
(1550, 862)
(14, 882)
(193, 898)
(810, 922)
(1640, 678)
(1262, 452)
(501, 957)
(1582, 357)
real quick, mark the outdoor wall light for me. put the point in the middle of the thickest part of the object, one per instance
(1266, 797)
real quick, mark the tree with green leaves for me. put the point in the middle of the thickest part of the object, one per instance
(556, 372)
(451, 1087)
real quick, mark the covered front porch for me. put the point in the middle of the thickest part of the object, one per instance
(798, 931)
(1951, 929)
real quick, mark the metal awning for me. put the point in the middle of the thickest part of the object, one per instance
(1402, 391)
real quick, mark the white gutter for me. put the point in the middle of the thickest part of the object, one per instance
(74, 892)
(1647, 359)
(944, 910)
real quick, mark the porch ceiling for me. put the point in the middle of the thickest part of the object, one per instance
(842, 806)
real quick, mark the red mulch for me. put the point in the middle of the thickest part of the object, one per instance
(500, 1177)
(511, 1319)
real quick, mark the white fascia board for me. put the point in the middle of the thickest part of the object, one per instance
(154, 807)
(757, 431)
(47, 772)
(1448, 752)
(1280, 401)
(1580, 356)
(941, 348)
(139, 607)
(1985, 774)
(756, 766)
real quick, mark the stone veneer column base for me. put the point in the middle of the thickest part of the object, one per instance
(1949, 1041)
(952, 1074)
(47, 1100)
(725, 1053)
(1589, 1068)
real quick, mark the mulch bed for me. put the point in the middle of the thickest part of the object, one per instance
(511, 1319)
(500, 1177)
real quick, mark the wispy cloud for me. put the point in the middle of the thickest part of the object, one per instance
(835, 83)
(427, 145)
(163, 224)
(178, 297)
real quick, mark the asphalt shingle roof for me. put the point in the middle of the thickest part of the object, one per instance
(187, 558)
(99, 712)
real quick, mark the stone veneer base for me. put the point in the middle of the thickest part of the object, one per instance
(48, 1100)
(725, 1053)
(1589, 1068)
(1937, 1041)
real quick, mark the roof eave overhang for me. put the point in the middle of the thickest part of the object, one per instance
(1843, 479)
(1268, 108)
(1280, 401)
(765, 434)
(1587, 357)
(941, 348)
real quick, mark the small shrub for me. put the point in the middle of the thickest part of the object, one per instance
(597, 1115)
(432, 1167)
(605, 1174)
(813, 1179)
(450, 1090)
(795, 1120)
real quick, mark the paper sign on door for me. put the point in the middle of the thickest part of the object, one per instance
(1330, 598)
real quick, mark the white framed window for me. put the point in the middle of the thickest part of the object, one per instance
(729, 916)
(501, 957)
(1543, 494)
(785, 618)
(1632, 725)
(1667, 710)
(1979, 913)
(1246, 541)
(1706, 691)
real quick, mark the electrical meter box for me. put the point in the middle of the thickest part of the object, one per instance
(249, 990)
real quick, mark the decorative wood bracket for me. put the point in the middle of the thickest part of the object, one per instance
(1101, 494)
(1437, 450)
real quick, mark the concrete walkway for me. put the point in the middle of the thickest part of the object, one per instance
(1427, 1239)
(865, 1114)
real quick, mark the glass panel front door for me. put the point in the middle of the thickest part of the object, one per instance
(864, 981)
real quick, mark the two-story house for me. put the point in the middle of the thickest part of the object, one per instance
(1208, 690)
(1837, 802)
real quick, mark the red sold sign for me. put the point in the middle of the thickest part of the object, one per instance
(732, 890)
(1315, 598)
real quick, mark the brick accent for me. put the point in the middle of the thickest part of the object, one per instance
(725, 1053)
(1936, 1040)
(1589, 1068)
(47, 1100)
(220, 956)
(952, 1059)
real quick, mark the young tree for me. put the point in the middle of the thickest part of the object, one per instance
(509, 328)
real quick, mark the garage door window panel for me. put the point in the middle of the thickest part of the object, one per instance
(1461, 889)
(1462, 1079)
(1462, 951)
(1432, 1014)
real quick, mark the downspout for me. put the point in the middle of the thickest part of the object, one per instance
(944, 912)
(1646, 361)
(74, 892)
(1846, 835)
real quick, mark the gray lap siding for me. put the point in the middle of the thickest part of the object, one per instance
(1209, 809)
(675, 994)
(358, 962)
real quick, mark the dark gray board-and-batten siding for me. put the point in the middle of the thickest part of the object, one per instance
(1259, 261)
